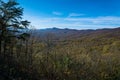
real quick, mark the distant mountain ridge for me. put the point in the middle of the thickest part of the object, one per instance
(75, 34)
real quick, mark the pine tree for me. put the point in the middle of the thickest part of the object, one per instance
(11, 24)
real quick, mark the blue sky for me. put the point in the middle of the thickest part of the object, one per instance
(74, 14)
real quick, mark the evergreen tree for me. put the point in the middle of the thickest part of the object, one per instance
(11, 24)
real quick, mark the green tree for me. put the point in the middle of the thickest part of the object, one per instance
(11, 24)
(12, 29)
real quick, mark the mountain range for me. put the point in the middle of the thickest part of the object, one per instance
(68, 34)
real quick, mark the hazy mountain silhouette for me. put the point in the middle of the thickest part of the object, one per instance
(76, 34)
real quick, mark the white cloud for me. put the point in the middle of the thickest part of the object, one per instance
(75, 23)
(75, 15)
(57, 13)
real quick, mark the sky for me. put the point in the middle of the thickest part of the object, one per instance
(73, 14)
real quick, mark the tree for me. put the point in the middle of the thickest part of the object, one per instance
(11, 24)
(12, 29)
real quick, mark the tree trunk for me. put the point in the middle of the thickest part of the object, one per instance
(0, 46)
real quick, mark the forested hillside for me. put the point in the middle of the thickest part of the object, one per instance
(55, 54)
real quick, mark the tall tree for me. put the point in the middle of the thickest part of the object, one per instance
(11, 24)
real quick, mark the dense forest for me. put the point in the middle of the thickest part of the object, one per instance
(55, 54)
